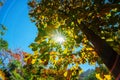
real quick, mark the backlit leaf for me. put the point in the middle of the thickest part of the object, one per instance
(65, 74)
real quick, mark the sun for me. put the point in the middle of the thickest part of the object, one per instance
(58, 37)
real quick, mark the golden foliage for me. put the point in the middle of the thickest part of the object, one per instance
(105, 77)
(2, 75)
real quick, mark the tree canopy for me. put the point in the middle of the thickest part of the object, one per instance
(73, 20)
(70, 33)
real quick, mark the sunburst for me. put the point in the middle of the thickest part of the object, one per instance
(58, 37)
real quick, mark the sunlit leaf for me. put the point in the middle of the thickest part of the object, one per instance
(65, 74)
(65, 51)
(2, 75)
(114, 10)
(98, 76)
(108, 77)
(33, 61)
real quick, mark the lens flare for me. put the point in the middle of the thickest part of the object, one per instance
(58, 37)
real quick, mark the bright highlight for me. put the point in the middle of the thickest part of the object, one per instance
(59, 38)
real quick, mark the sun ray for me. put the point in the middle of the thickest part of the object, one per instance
(58, 37)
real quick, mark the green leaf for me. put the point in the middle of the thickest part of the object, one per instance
(3, 44)
(17, 76)
(34, 46)
(3, 27)
(41, 32)
(1, 61)
(1, 4)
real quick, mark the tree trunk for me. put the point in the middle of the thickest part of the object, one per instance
(109, 57)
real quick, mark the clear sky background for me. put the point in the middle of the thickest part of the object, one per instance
(21, 32)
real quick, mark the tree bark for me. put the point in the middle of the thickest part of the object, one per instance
(109, 57)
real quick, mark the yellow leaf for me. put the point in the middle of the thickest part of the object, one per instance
(72, 23)
(28, 59)
(73, 73)
(80, 71)
(69, 32)
(108, 14)
(103, 37)
(114, 10)
(30, 46)
(102, 32)
(42, 17)
(76, 36)
(45, 25)
(98, 76)
(61, 59)
(55, 61)
(107, 77)
(62, 22)
(65, 51)
(33, 61)
(89, 49)
(77, 65)
(40, 61)
(89, 14)
(36, 53)
(35, 56)
(109, 40)
(52, 53)
(65, 74)
(55, 26)
(79, 20)
(2, 75)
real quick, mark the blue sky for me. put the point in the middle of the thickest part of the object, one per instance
(21, 32)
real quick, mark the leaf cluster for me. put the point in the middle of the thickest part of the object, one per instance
(63, 16)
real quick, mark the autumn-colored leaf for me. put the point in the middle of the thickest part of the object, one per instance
(65, 74)
(2, 75)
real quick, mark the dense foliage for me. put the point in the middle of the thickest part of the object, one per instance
(19, 65)
(61, 45)
(54, 18)
(100, 73)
